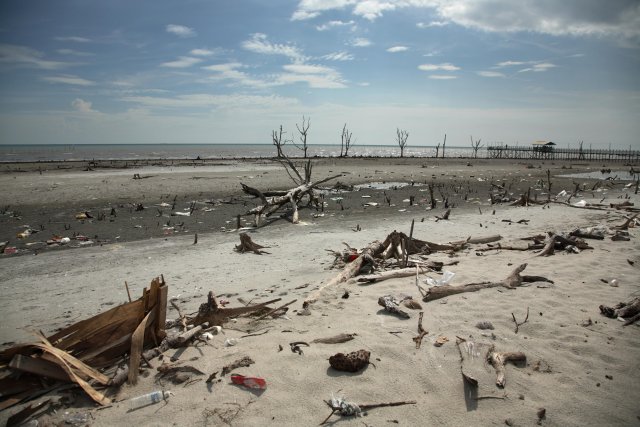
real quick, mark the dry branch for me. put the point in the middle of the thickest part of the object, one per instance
(498, 360)
(421, 332)
(512, 281)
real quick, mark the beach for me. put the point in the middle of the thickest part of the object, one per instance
(581, 367)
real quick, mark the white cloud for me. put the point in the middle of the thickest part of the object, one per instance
(205, 100)
(259, 44)
(73, 39)
(180, 30)
(373, 9)
(619, 19)
(69, 80)
(438, 67)
(334, 24)
(396, 49)
(361, 42)
(431, 24)
(230, 71)
(308, 9)
(442, 77)
(182, 62)
(338, 56)
(23, 56)
(510, 63)
(73, 52)
(490, 74)
(83, 106)
(202, 52)
(316, 76)
(538, 68)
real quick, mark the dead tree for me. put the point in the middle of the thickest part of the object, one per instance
(345, 143)
(476, 146)
(401, 139)
(437, 150)
(279, 141)
(303, 135)
(444, 144)
(274, 201)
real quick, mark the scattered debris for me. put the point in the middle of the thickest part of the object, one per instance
(344, 408)
(628, 311)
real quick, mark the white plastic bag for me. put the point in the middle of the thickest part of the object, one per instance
(447, 276)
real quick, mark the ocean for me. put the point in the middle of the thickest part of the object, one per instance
(86, 152)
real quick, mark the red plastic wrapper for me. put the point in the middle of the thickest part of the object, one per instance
(250, 382)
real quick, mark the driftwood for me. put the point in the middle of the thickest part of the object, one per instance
(344, 408)
(518, 324)
(240, 363)
(351, 270)
(512, 281)
(337, 339)
(421, 332)
(390, 274)
(215, 315)
(293, 196)
(391, 305)
(248, 245)
(630, 311)
(498, 360)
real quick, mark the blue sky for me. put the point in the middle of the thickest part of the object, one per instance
(207, 71)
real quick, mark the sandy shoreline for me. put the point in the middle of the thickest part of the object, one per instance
(590, 374)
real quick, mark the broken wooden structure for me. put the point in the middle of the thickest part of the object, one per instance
(75, 353)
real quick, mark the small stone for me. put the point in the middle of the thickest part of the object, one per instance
(521, 396)
(609, 377)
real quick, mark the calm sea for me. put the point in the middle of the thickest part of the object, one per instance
(34, 153)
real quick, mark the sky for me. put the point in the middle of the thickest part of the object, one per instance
(231, 71)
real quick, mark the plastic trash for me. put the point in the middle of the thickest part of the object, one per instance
(65, 240)
(249, 382)
(580, 204)
(447, 276)
(614, 283)
(562, 193)
(149, 399)
(77, 419)
(230, 342)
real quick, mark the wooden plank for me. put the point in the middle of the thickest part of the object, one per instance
(64, 357)
(38, 366)
(14, 400)
(161, 310)
(78, 332)
(137, 343)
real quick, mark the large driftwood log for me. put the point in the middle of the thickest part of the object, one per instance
(349, 271)
(390, 274)
(512, 281)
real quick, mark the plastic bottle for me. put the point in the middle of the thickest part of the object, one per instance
(149, 399)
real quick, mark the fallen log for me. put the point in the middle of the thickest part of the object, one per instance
(386, 275)
(510, 282)
(349, 271)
